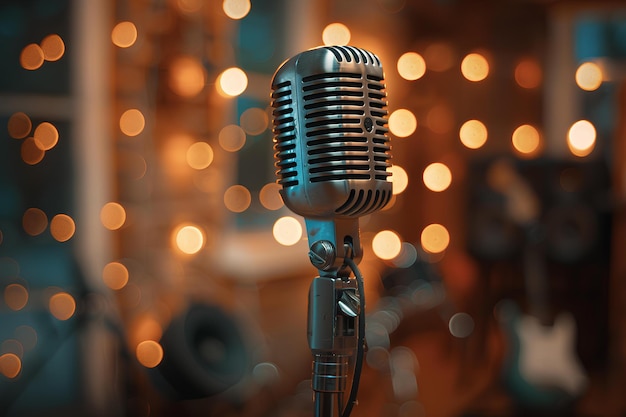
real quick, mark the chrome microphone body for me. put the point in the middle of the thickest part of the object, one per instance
(331, 145)
(332, 155)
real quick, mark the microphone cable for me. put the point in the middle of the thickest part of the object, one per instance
(360, 349)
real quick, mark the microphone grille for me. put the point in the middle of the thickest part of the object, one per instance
(330, 130)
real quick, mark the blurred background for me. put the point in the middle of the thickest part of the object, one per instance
(149, 268)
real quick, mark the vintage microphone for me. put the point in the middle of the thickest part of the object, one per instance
(332, 153)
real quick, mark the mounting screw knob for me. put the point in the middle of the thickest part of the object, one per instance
(322, 254)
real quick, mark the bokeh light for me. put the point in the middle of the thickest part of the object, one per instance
(528, 73)
(254, 121)
(10, 365)
(386, 244)
(52, 47)
(439, 56)
(473, 134)
(189, 6)
(437, 177)
(237, 198)
(124, 34)
(581, 138)
(232, 138)
(402, 123)
(62, 227)
(589, 76)
(187, 76)
(526, 140)
(115, 275)
(399, 178)
(435, 238)
(62, 305)
(112, 215)
(269, 196)
(19, 125)
(15, 296)
(149, 353)
(46, 136)
(132, 122)
(475, 67)
(336, 34)
(30, 152)
(461, 325)
(287, 231)
(31, 57)
(232, 82)
(189, 239)
(411, 66)
(236, 9)
(34, 221)
(199, 155)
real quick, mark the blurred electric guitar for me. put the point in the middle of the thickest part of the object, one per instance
(542, 370)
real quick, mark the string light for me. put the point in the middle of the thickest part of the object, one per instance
(399, 179)
(473, 134)
(528, 73)
(581, 138)
(10, 365)
(437, 177)
(386, 244)
(34, 221)
(526, 140)
(187, 76)
(149, 353)
(124, 34)
(435, 238)
(287, 231)
(30, 152)
(62, 305)
(115, 275)
(46, 136)
(402, 123)
(232, 138)
(589, 76)
(15, 296)
(199, 155)
(411, 66)
(254, 121)
(189, 239)
(132, 122)
(112, 215)
(62, 227)
(269, 196)
(232, 82)
(475, 67)
(52, 47)
(236, 9)
(336, 34)
(19, 125)
(31, 57)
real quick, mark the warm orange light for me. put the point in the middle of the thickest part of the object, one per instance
(19, 125)
(528, 73)
(34, 221)
(386, 244)
(589, 76)
(399, 178)
(254, 121)
(269, 196)
(31, 57)
(10, 365)
(411, 66)
(232, 138)
(237, 198)
(236, 9)
(187, 76)
(53, 47)
(437, 177)
(115, 275)
(232, 82)
(526, 140)
(435, 238)
(199, 155)
(473, 134)
(62, 305)
(475, 67)
(189, 239)
(287, 231)
(112, 215)
(124, 34)
(149, 353)
(336, 34)
(30, 152)
(132, 122)
(402, 123)
(15, 296)
(46, 136)
(62, 227)
(581, 138)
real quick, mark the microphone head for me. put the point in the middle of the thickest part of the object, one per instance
(331, 140)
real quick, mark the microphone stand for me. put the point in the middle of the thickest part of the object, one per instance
(335, 325)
